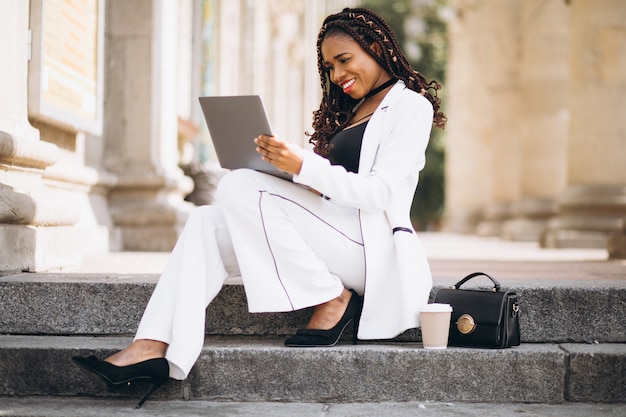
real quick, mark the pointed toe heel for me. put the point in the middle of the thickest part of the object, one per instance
(155, 371)
(330, 337)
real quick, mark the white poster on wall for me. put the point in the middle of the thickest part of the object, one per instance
(65, 69)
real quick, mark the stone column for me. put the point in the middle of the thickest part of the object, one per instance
(543, 116)
(498, 82)
(482, 145)
(466, 191)
(231, 65)
(141, 123)
(34, 221)
(593, 206)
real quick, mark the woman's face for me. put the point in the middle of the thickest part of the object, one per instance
(350, 67)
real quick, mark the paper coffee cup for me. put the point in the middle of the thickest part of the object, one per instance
(435, 321)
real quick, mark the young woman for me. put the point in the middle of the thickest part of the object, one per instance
(338, 238)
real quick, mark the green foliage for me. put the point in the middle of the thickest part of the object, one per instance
(422, 34)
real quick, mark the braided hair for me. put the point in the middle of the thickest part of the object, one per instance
(366, 28)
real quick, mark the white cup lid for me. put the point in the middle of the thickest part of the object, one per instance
(436, 308)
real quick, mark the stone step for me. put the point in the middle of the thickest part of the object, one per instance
(554, 310)
(259, 369)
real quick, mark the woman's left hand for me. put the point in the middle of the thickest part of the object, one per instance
(283, 155)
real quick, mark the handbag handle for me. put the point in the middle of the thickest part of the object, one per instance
(496, 284)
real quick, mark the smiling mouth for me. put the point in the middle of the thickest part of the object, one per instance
(347, 86)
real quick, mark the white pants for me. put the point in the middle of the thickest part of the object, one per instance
(293, 249)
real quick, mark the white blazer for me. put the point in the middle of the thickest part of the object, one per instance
(398, 279)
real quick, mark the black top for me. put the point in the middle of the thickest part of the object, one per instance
(345, 147)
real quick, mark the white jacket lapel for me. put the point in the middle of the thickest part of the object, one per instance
(372, 135)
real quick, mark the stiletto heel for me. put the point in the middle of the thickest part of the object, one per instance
(156, 371)
(314, 337)
(355, 329)
(153, 387)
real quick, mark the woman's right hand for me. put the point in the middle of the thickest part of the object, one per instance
(283, 155)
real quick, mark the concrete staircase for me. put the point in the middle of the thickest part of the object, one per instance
(573, 350)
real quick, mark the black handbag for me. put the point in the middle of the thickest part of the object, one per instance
(481, 318)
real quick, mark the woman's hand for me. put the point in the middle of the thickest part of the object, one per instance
(283, 155)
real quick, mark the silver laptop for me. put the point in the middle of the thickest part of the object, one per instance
(234, 122)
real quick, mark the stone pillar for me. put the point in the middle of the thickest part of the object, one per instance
(482, 145)
(543, 116)
(288, 66)
(593, 206)
(34, 221)
(141, 123)
(498, 81)
(465, 191)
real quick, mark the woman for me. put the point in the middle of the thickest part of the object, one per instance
(338, 238)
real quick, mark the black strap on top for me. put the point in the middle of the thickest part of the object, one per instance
(496, 284)
(380, 88)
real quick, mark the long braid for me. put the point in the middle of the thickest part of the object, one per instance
(365, 27)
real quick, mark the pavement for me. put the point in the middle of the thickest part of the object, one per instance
(451, 257)
(82, 407)
(440, 248)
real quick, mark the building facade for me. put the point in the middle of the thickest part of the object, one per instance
(99, 104)
(98, 108)
(536, 143)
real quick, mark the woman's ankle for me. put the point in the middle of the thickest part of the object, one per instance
(327, 315)
(138, 351)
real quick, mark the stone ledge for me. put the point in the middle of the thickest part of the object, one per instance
(99, 304)
(597, 372)
(262, 369)
(32, 248)
(25, 149)
(254, 369)
(379, 372)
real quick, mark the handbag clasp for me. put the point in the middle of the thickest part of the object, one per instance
(465, 324)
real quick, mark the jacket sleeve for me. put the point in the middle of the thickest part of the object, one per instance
(400, 155)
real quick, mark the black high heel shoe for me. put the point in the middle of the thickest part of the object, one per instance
(156, 371)
(315, 337)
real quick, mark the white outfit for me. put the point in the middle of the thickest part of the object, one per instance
(287, 239)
